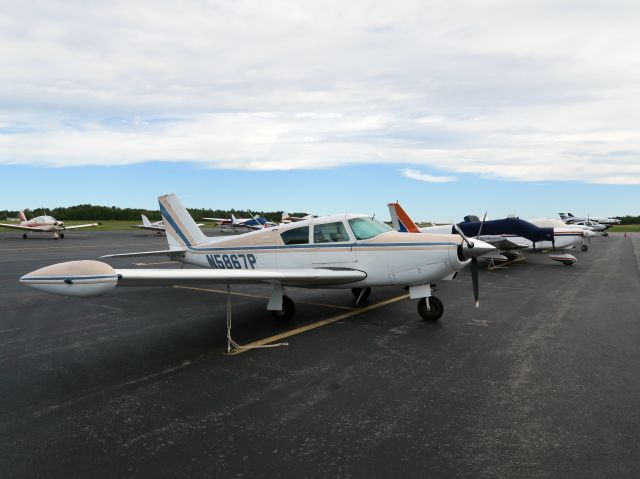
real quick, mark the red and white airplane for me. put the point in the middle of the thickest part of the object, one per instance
(43, 224)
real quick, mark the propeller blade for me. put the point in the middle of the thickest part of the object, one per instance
(464, 237)
(481, 225)
(474, 280)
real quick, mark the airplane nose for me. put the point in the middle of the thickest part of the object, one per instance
(480, 248)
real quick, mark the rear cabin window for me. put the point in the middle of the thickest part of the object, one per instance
(296, 235)
(330, 233)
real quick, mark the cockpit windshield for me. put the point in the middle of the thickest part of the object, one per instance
(365, 228)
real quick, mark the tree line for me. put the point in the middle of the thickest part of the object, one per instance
(105, 213)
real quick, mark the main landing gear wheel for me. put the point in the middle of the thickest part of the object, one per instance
(435, 310)
(61, 235)
(356, 293)
(605, 234)
(568, 263)
(584, 247)
(24, 236)
(287, 312)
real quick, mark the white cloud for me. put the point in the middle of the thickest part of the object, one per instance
(531, 90)
(417, 175)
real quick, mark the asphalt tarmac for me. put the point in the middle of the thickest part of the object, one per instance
(542, 381)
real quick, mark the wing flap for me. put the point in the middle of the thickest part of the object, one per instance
(170, 252)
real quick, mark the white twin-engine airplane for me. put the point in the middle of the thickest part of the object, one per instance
(157, 226)
(43, 224)
(350, 251)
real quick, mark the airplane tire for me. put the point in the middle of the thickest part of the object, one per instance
(287, 312)
(61, 235)
(356, 293)
(605, 234)
(436, 312)
(584, 247)
(24, 236)
(568, 263)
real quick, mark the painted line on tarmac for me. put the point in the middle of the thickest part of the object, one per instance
(259, 296)
(261, 342)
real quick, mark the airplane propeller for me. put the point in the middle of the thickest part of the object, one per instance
(474, 263)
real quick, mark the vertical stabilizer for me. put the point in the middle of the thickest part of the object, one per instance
(401, 220)
(22, 217)
(145, 221)
(181, 230)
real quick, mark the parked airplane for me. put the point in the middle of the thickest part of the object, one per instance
(350, 251)
(588, 232)
(287, 218)
(43, 224)
(255, 223)
(506, 234)
(157, 226)
(569, 218)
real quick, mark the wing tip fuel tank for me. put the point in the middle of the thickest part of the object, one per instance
(73, 278)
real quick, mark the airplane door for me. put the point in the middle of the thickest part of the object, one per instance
(332, 244)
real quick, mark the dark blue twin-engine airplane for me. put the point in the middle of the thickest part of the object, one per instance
(505, 234)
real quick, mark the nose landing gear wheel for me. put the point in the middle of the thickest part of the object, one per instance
(584, 247)
(24, 236)
(435, 310)
(287, 312)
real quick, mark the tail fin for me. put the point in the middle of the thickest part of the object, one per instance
(563, 216)
(145, 221)
(285, 217)
(179, 225)
(22, 216)
(234, 220)
(401, 220)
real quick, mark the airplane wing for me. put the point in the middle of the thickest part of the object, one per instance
(218, 220)
(92, 278)
(501, 243)
(151, 228)
(75, 227)
(24, 228)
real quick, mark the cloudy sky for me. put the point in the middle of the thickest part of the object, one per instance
(449, 106)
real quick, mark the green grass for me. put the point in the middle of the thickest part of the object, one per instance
(627, 228)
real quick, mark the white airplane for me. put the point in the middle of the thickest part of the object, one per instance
(592, 221)
(505, 234)
(43, 224)
(588, 232)
(157, 226)
(349, 251)
(254, 223)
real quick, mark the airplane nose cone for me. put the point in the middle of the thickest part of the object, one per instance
(480, 248)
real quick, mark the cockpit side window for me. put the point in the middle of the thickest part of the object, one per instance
(365, 228)
(296, 235)
(330, 233)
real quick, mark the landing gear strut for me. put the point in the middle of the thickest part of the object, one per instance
(431, 308)
(360, 294)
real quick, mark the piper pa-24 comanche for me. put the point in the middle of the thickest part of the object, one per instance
(351, 251)
(43, 224)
